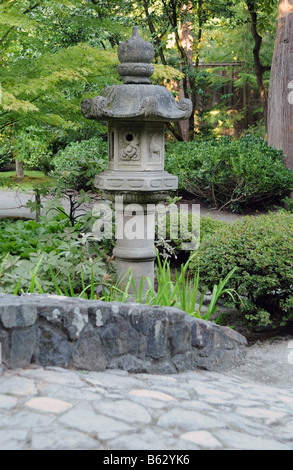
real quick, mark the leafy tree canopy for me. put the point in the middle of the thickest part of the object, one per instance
(53, 54)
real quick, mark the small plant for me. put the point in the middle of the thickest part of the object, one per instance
(287, 203)
(116, 293)
(88, 292)
(183, 291)
(5, 159)
(71, 254)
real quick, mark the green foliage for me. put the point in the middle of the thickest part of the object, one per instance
(4, 160)
(181, 232)
(209, 226)
(183, 290)
(287, 203)
(78, 164)
(231, 173)
(53, 54)
(36, 285)
(62, 255)
(53, 257)
(5, 153)
(264, 6)
(52, 94)
(179, 290)
(30, 146)
(257, 130)
(261, 248)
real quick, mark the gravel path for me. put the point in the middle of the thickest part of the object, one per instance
(12, 204)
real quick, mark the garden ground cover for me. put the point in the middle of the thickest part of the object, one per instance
(31, 180)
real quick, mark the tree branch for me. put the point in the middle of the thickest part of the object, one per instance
(259, 68)
(174, 132)
(6, 34)
(31, 8)
(28, 10)
(153, 32)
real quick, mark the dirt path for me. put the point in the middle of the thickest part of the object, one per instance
(12, 204)
(224, 215)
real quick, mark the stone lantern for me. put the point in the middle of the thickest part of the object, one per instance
(136, 113)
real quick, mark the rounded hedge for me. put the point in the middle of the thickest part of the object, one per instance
(230, 173)
(261, 248)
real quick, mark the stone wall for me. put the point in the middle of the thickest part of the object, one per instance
(50, 330)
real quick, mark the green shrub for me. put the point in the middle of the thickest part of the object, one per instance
(5, 152)
(210, 226)
(178, 244)
(30, 146)
(287, 204)
(5, 160)
(65, 251)
(257, 130)
(79, 163)
(262, 250)
(230, 173)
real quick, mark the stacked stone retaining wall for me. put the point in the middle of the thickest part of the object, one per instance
(50, 330)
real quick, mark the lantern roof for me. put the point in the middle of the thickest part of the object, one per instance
(137, 98)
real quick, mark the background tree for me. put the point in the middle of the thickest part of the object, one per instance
(186, 31)
(52, 54)
(185, 21)
(280, 114)
(255, 9)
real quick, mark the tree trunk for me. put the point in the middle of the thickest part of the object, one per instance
(259, 68)
(280, 110)
(192, 47)
(177, 17)
(185, 88)
(19, 169)
(157, 42)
